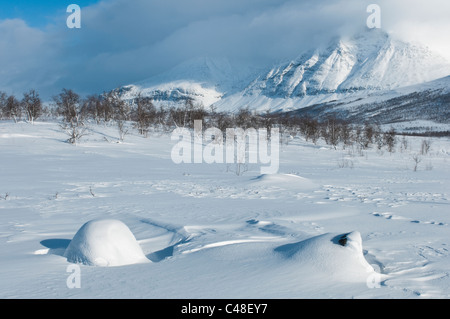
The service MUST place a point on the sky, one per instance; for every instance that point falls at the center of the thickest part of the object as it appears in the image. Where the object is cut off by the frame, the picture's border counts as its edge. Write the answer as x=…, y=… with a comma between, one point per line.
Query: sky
x=126, y=41
x=37, y=13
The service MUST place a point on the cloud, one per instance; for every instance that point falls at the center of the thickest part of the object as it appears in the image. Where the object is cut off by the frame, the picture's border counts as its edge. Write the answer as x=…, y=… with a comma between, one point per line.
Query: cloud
x=122, y=42
x=23, y=50
x=425, y=22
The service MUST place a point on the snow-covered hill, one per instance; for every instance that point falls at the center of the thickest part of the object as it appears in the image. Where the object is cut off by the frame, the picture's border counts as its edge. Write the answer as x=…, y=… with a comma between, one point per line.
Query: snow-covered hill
x=205, y=80
x=429, y=102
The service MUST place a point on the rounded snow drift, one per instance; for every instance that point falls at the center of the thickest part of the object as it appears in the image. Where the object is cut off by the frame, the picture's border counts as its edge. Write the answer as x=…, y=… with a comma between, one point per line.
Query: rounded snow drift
x=337, y=255
x=105, y=242
x=286, y=181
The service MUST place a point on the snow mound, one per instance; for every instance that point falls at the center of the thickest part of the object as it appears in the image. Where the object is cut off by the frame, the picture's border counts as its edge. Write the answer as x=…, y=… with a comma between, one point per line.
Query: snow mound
x=104, y=242
x=339, y=256
x=287, y=181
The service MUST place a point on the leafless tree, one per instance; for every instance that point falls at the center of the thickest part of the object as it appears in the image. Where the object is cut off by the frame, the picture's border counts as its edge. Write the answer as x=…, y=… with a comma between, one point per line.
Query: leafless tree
x=195, y=111
x=331, y=132
x=310, y=128
x=389, y=139
x=144, y=114
x=32, y=105
x=98, y=108
x=222, y=122
x=12, y=108
x=162, y=118
x=417, y=159
x=369, y=135
x=403, y=143
x=121, y=112
x=243, y=117
x=346, y=134
x=425, y=147
x=75, y=130
x=68, y=105
x=92, y=107
x=186, y=115
x=3, y=99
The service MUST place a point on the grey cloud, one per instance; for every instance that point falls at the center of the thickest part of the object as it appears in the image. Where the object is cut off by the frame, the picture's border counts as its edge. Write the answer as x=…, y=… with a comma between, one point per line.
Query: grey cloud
x=124, y=41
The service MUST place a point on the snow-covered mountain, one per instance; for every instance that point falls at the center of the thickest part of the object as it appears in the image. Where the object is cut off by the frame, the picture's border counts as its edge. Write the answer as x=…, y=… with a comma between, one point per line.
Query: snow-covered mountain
x=205, y=80
x=372, y=60
x=353, y=68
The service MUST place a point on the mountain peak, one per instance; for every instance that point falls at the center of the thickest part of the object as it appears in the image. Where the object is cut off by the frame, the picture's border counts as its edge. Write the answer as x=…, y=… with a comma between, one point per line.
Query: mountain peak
x=369, y=60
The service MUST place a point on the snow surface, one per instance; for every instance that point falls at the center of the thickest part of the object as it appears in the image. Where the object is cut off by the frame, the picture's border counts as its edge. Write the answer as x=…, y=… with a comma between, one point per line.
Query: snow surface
x=210, y=233
x=327, y=256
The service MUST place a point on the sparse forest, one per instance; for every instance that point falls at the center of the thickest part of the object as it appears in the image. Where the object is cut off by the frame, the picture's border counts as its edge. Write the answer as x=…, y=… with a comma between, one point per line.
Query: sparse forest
x=75, y=114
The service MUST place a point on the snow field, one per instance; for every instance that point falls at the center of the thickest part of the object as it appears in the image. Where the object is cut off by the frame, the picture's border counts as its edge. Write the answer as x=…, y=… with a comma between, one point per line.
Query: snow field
x=207, y=233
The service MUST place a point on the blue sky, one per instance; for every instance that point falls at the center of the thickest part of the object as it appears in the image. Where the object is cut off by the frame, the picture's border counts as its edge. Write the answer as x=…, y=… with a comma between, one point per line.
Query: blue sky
x=125, y=41
x=38, y=13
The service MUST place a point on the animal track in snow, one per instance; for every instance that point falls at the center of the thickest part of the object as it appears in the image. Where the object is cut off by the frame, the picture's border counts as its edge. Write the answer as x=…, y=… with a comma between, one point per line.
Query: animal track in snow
x=382, y=196
x=388, y=215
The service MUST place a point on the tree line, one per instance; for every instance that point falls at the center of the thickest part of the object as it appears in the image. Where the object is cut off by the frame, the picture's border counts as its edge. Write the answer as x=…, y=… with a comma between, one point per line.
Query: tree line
x=29, y=106
x=140, y=113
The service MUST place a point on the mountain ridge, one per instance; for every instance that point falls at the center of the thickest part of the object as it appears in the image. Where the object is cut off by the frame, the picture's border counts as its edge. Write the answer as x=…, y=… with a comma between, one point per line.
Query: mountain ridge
x=368, y=63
